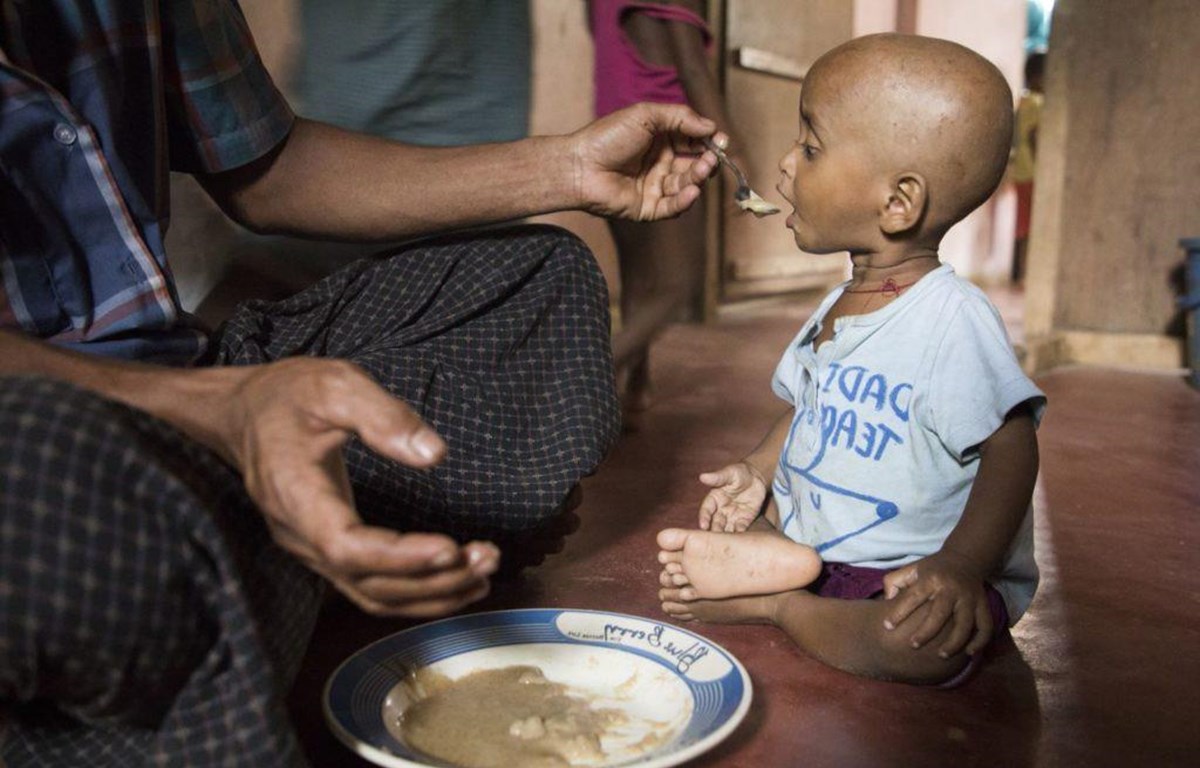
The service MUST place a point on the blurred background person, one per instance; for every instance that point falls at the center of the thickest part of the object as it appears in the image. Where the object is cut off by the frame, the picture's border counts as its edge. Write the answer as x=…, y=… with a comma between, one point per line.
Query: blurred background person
x=1024, y=156
x=429, y=72
x=654, y=51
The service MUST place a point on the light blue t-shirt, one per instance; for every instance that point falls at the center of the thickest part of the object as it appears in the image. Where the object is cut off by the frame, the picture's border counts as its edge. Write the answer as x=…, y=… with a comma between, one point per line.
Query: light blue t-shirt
x=882, y=453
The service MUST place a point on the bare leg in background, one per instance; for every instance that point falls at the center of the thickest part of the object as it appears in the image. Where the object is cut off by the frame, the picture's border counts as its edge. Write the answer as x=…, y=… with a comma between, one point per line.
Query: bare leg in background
x=662, y=270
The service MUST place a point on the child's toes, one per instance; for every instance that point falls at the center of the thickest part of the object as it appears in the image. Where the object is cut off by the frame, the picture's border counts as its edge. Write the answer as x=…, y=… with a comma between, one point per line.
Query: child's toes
x=679, y=580
x=677, y=611
x=671, y=558
x=673, y=567
x=672, y=539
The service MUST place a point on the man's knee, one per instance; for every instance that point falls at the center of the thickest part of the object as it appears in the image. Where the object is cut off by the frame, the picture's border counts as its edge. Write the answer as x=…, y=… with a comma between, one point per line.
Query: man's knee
x=564, y=251
x=93, y=605
x=553, y=234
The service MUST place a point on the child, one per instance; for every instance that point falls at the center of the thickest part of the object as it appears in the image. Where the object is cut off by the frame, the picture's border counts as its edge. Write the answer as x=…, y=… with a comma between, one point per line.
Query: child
x=1022, y=162
x=906, y=466
x=653, y=51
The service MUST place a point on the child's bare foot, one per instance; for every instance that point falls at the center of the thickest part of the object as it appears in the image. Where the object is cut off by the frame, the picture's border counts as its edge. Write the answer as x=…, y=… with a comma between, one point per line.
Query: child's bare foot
x=713, y=565
x=751, y=609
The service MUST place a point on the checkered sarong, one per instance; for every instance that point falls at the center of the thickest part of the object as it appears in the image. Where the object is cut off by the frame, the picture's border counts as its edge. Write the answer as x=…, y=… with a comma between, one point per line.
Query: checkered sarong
x=146, y=618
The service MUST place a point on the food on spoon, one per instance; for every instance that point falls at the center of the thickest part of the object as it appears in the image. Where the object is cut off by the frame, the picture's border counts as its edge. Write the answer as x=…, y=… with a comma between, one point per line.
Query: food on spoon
x=757, y=205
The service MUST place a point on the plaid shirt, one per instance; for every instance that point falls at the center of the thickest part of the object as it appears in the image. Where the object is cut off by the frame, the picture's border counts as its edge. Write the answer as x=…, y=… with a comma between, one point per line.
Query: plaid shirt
x=98, y=101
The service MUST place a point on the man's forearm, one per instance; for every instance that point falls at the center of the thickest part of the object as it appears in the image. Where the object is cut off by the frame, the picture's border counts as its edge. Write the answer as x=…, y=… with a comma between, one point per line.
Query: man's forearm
x=330, y=183
x=187, y=399
x=686, y=43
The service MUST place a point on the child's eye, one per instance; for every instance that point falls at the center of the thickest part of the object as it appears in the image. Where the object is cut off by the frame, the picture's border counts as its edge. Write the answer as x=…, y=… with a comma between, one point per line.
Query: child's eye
x=809, y=150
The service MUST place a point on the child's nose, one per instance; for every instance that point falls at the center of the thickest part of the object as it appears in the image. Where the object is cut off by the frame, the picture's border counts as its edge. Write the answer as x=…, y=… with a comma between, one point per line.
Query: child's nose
x=787, y=164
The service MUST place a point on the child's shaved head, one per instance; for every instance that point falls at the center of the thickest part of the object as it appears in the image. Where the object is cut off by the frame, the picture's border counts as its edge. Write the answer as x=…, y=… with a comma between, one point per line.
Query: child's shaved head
x=924, y=106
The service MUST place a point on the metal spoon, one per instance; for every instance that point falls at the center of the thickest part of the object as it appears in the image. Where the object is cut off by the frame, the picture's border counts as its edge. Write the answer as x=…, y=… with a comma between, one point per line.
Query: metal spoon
x=747, y=199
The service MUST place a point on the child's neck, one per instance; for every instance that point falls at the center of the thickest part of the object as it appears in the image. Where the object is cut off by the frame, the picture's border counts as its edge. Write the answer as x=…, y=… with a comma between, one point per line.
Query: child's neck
x=875, y=270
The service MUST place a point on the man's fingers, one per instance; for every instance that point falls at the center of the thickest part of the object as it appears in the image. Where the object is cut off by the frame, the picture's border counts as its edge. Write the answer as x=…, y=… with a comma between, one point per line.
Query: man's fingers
x=425, y=594
x=694, y=171
x=483, y=557
x=402, y=590
x=673, y=205
x=364, y=550
x=311, y=515
x=288, y=423
x=320, y=398
x=417, y=609
x=341, y=396
x=666, y=118
x=350, y=400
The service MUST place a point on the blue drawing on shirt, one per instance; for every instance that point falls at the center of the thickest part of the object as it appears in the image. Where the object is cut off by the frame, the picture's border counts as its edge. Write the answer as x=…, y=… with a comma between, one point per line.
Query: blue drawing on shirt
x=857, y=427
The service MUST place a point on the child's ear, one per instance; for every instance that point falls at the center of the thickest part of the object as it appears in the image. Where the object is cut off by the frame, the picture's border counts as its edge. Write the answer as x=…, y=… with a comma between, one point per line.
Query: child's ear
x=905, y=203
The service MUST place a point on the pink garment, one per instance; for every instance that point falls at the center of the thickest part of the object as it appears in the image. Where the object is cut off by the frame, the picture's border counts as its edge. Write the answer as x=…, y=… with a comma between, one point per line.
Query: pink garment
x=622, y=77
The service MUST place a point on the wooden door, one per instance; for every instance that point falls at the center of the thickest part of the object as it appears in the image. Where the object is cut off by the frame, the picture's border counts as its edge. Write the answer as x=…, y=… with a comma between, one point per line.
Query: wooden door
x=766, y=45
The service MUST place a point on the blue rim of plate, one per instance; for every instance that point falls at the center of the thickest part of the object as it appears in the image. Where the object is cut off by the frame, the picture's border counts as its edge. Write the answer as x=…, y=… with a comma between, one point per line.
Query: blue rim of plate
x=355, y=692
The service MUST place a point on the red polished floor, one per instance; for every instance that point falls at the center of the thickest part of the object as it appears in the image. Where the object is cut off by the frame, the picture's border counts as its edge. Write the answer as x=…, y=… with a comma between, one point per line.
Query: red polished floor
x=1103, y=670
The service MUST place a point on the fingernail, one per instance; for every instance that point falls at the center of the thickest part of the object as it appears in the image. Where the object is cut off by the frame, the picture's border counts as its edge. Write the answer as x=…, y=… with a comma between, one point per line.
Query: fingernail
x=484, y=563
x=490, y=567
x=915, y=644
x=427, y=444
x=943, y=654
x=888, y=625
x=723, y=142
x=444, y=558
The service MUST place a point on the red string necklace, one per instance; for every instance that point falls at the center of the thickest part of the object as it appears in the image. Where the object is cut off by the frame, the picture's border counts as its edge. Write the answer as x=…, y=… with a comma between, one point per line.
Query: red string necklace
x=889, y=288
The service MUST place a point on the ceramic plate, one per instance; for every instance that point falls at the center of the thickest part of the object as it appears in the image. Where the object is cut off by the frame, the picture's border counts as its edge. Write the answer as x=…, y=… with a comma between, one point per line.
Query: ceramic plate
x=682, y=693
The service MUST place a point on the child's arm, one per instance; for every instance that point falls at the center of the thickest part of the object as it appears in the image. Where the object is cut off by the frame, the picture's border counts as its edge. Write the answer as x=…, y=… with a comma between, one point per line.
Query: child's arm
x=739, y=489
x=681, y=45
x=952, y=579
x=686, y=44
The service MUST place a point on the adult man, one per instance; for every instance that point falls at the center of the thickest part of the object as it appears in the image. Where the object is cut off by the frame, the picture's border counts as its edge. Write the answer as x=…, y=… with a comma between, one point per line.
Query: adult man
x=146, y=612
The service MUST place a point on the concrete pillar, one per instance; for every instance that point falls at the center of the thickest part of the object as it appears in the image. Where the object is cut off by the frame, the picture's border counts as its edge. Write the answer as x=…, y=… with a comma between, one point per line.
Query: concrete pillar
x=1117, y=185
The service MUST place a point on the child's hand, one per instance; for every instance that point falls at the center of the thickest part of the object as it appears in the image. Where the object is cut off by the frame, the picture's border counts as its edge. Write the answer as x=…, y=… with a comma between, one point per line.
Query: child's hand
x=955, y=594
x=736, y=499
